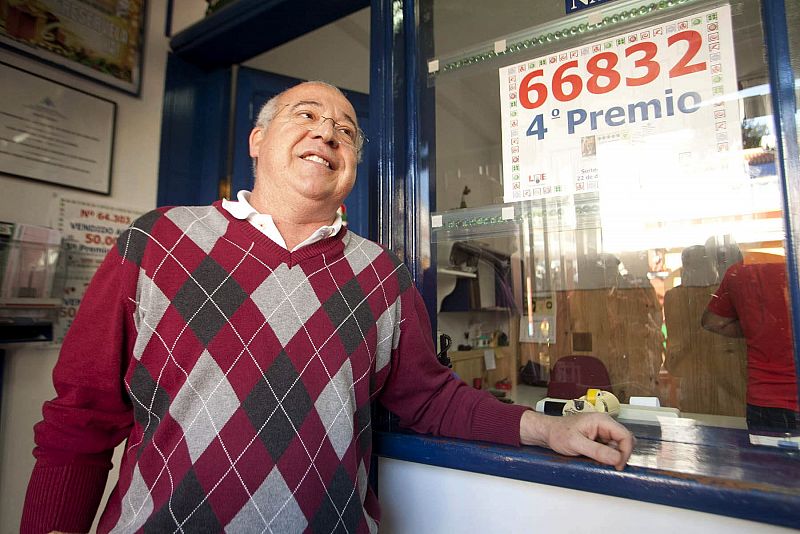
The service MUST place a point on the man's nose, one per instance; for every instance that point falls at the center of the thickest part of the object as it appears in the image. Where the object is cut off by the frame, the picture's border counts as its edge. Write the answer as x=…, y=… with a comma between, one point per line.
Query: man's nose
x=326, y=129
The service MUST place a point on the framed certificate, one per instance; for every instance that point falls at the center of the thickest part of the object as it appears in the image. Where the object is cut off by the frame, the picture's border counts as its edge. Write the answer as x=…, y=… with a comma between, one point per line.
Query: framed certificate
x=52, y=133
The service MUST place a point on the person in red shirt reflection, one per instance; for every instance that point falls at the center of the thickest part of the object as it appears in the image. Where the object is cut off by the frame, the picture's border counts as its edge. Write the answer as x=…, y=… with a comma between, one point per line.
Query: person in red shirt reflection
x=752, y=302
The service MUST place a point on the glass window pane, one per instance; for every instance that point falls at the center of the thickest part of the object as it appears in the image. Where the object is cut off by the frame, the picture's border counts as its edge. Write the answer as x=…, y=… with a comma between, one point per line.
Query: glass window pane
x=608, y=209
x=792, y=20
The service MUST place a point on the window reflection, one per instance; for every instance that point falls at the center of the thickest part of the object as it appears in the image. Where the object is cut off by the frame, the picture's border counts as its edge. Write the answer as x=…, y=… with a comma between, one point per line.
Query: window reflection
x=623, y=273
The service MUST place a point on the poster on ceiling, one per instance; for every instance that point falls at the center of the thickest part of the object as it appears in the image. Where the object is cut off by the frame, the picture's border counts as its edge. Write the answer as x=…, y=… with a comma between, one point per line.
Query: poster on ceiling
x=651, y=112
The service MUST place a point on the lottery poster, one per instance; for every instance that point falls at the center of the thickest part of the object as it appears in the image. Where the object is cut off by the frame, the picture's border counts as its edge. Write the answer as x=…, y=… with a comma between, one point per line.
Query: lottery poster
x=651, y=112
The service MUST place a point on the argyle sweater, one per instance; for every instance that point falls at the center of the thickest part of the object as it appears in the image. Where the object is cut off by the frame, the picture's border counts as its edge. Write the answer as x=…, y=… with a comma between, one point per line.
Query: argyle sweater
x=241, y=375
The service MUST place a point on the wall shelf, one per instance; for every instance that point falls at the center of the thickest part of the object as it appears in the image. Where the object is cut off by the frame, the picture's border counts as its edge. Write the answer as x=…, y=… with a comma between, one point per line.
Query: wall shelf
x=456, y=273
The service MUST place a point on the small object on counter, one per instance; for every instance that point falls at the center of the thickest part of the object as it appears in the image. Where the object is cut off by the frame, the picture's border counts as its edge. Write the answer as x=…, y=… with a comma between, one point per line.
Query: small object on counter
x=465, y=345
x=502, y=339
x=477, y=383
x=653, y=402
x=503, y=384
x=595, y=400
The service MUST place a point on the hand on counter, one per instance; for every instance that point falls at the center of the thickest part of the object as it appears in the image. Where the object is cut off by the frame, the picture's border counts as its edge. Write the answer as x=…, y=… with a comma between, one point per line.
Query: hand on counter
x=596, y=435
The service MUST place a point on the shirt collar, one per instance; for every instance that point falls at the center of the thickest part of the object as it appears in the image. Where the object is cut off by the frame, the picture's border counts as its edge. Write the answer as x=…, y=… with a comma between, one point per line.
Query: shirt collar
x=243, y=210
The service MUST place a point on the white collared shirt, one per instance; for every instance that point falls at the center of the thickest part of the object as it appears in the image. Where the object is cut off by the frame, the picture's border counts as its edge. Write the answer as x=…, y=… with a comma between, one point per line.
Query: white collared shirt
x=241, y=209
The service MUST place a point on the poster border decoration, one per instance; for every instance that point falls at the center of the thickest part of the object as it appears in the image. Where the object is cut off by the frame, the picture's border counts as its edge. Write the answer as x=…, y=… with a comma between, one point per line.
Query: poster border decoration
x=105, y=187
x=84, y=66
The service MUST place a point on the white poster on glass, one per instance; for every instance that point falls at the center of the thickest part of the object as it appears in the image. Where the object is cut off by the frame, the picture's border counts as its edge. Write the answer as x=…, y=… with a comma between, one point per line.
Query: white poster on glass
x=651, y=113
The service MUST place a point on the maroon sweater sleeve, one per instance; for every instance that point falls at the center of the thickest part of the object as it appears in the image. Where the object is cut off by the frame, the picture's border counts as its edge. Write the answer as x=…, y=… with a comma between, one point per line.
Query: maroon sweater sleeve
x=91, y=413
x=428, y=398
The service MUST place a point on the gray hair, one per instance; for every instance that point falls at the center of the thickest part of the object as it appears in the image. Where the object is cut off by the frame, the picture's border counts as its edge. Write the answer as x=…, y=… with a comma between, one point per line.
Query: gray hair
x=271, y=107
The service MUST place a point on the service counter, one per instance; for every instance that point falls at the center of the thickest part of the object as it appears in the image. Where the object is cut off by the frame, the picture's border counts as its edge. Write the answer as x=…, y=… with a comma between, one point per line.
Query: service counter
x=678, y=464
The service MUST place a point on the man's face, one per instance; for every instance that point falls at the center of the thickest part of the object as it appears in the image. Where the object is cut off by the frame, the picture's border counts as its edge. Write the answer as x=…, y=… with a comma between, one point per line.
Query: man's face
x=297, y=164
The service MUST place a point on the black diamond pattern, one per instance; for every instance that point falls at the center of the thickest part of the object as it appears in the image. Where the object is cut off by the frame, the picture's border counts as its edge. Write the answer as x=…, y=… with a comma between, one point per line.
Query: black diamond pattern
x=131, y=243
x=144, y=386
x=403, y=276
x=190, y=297
x=345, y=496
x=363, y=416
x=186, y=497
x=354, y=327
x=261, y=402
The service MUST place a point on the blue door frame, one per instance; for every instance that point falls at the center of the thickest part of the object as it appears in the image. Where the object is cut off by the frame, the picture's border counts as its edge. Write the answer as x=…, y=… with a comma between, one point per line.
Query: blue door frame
x=781, y=80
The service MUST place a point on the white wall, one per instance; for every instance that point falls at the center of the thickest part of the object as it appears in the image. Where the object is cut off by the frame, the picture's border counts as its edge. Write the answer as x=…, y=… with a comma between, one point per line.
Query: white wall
x=421, y=498
x=27, y=377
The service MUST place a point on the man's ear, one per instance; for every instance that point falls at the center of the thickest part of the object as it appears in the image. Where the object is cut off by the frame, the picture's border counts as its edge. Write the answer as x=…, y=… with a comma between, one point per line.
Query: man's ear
x=255, y=140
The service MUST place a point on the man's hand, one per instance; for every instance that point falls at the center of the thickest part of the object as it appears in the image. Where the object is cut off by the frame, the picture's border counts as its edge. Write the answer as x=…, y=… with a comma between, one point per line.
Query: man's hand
x=595, y=435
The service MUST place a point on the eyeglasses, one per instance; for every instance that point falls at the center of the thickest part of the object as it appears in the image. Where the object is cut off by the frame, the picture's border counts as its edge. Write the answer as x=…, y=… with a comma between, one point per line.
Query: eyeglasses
x=346, y=134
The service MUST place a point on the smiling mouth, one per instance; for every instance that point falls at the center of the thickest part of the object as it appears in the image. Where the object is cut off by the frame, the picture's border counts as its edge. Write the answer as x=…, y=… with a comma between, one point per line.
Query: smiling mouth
x=317, y=159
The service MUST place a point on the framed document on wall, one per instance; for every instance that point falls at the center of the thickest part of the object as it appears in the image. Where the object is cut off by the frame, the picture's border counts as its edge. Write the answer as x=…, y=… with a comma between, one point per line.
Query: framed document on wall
x=99, y=39
x=52, y=133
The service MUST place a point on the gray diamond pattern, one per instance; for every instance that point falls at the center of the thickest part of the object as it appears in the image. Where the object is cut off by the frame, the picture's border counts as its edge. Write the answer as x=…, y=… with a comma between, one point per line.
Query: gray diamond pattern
x=361, y=253
x=362, y=481
x=205, y=392
x=276, y=507
x=137, y=505
x=152, y=305
x=335, y=406
x=388, y=335
x=289, y=306
x=203, y=224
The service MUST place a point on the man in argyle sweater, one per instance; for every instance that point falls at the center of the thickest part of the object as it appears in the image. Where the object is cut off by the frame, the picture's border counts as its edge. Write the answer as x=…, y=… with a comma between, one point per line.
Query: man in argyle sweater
x=236, y=349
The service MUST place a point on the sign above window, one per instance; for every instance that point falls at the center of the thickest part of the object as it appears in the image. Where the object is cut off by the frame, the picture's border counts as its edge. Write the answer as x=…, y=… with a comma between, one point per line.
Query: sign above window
x=572, y=6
